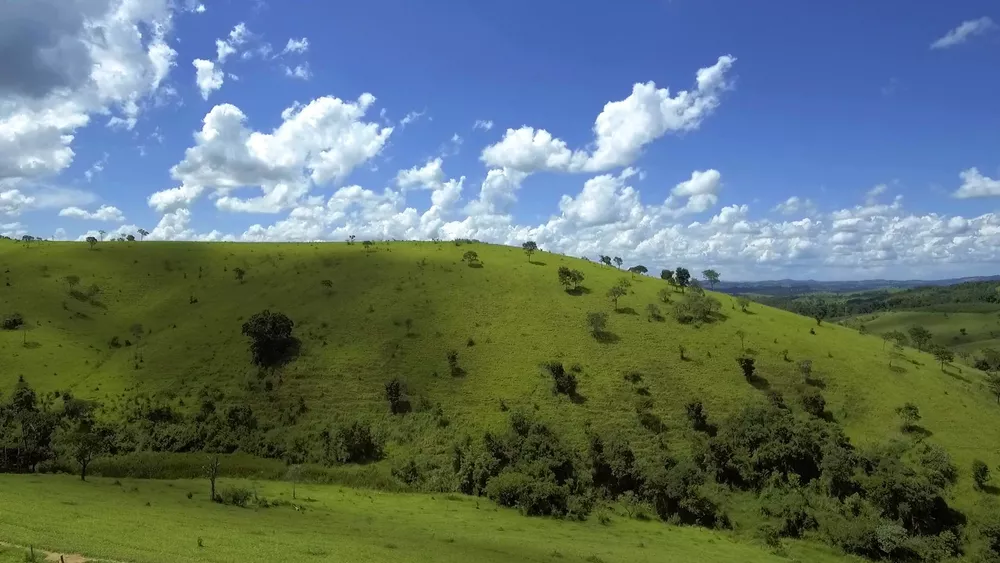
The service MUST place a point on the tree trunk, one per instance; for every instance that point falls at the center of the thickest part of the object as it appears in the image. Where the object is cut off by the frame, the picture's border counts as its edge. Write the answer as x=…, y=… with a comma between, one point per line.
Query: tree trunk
x=83, y=471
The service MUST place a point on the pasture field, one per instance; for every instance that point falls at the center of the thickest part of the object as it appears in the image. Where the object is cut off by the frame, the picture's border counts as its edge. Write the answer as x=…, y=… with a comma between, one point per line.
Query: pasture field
x=155, y=521
x=982, y=329
x=365, y=315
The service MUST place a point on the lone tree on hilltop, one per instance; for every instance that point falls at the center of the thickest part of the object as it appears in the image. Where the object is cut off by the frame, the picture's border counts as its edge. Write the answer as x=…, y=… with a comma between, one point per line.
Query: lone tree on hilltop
x=682, y=277
x=130, y=238
x=471, y=257
x=571, y=279
x=637, y=269
x=667, y=276
x=942, y=354
x=240, y=273
x=920, y=336
x=618, y=262
x=530, y=248
x=712, y=277
x=270, y=337
x=142, y=234
x=102, y=233
x=92, y=241
x=597, y=323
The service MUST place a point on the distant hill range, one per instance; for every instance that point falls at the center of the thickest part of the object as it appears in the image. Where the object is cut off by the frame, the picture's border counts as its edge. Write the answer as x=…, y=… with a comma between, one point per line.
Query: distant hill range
x=800, y=287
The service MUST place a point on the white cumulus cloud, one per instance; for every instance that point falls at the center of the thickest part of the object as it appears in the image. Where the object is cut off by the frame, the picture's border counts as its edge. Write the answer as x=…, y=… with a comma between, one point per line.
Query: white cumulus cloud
x=621, y=130
x=965, y=31
x=316, y=143
x=60, y=71
x=108, y=213
x=974, y=184
x=207, y=77
x=296, y=46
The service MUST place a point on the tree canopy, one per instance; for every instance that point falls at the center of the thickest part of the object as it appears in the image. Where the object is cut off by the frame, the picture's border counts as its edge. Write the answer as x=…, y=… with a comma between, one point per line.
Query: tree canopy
x=712, y=277
x=270, y=337
x=682, y=277
x=529, y=248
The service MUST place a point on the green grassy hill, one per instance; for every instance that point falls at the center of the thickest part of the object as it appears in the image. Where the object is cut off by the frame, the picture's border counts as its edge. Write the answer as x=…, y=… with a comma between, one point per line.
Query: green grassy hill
x=982, y=329
x=504, y=319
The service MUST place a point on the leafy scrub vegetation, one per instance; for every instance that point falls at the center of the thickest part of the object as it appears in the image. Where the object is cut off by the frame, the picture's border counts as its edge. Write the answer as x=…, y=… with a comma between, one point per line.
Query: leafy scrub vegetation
x=552, y=385
x=144, y=520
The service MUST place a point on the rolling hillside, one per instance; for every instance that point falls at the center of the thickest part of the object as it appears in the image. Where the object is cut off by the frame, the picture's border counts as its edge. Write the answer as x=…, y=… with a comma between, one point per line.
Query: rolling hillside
x=397, y=310
x=967, y=333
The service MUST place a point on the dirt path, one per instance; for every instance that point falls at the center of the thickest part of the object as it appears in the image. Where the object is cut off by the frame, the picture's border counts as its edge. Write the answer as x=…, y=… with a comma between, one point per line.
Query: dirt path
x=59, y=556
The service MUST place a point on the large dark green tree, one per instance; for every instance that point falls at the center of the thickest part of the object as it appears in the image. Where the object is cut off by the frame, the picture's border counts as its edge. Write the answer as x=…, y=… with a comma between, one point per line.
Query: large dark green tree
x=682, y=277
x=270, y=336
x=637, y=269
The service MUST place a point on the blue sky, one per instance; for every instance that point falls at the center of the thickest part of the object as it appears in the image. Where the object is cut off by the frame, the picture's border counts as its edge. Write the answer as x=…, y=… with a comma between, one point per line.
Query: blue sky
x=763, y=139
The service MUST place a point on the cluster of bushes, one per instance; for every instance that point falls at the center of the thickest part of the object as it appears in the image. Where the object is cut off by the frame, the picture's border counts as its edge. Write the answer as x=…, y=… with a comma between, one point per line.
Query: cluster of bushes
x=884, y=502
x=57, y=428
x=697, y=307
x=527, y=467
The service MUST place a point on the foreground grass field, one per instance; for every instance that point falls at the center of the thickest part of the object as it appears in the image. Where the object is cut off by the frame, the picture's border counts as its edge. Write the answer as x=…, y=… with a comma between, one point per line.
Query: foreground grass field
x=503, y=320
x=154, y=521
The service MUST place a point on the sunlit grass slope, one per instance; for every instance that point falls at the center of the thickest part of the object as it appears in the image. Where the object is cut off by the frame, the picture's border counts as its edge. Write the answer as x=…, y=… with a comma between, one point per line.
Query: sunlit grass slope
x=982, y=329
x=504, y=319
